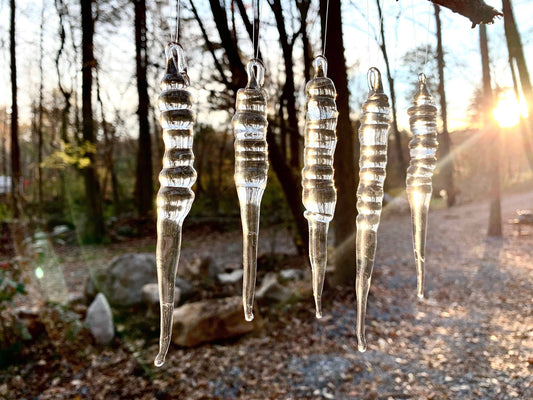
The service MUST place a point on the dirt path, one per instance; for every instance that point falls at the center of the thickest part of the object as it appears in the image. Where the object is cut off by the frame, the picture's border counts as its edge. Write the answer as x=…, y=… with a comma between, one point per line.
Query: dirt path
x=472, y=338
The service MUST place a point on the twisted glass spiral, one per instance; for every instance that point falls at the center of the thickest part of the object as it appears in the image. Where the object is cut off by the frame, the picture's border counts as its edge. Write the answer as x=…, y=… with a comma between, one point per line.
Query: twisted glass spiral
x=251, y=170
x=373, y=136
x=423, y=150
x=175, y=196
x=319, y=193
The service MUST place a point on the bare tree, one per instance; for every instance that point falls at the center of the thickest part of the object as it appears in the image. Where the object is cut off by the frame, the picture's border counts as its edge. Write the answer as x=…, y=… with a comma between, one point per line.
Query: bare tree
x=495, y=217
x=40, y=120
x=15, y=149
x=93, y=229
x=517, y=59
x=444, y=137
x=287, y=176
x=144, y=186
x=346, y=154
x=401, y=168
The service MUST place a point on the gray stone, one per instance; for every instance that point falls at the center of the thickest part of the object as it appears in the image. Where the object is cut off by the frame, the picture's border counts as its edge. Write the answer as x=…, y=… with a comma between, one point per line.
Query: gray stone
x=292, y=274
x=209, y=321
x=122, y=281
x=272, y=292
x=200, y=268
x=150, y=295
x=99, y=320
x=230, y=277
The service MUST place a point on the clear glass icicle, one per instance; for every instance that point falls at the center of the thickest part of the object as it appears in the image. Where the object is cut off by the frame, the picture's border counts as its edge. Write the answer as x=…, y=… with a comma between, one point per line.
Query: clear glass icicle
x=251, y=170
x=423, y=149
x=175, y=196
x=319, y=193
x=373, y=136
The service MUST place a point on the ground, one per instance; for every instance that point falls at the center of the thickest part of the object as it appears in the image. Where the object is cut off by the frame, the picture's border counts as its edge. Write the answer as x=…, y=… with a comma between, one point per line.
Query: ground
x=471, y=338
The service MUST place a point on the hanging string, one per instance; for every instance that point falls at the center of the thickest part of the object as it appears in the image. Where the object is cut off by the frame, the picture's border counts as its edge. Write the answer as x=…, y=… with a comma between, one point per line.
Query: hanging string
x=174, y=33
x=427, y=38
x=326, y=29
x=414, y=31
x=178, y=20
x=368, y=30
x=256, y=6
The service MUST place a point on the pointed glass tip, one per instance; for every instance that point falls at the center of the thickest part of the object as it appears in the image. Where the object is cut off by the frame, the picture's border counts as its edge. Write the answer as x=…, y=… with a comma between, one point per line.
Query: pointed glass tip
x=248, y=314
x=159, y=360
x=361, y=347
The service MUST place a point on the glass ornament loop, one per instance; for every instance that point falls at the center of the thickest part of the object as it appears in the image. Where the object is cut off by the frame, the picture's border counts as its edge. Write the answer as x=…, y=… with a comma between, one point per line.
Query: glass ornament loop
x=421, y=78
x=256, y=73
x=174, y=51
x=320, y=65
x=374, y=80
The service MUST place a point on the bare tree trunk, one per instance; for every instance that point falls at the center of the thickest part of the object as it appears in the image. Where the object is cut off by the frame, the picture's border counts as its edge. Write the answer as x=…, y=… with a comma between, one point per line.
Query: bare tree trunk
x=444, y=138
x=289, y=86
x=15, y=149
x=3, y=141
x=290, y=184
x=476, y=10
x=516, y=54
x=40, y=122
x=303, y=8
x=93, y=230
x=495, y=217
x=109, y=143
x=144, y=185
x=346, y=152
x=400, y=169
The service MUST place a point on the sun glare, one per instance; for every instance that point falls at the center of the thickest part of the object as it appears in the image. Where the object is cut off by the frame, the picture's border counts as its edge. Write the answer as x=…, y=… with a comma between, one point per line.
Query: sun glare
x=508, y=110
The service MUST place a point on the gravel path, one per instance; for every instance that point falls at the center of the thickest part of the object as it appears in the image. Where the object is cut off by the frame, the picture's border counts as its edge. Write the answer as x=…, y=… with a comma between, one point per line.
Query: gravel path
x=471, y=338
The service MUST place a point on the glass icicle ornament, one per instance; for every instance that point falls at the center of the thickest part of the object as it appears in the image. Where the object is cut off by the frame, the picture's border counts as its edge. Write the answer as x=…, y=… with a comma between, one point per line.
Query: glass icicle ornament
x=175, y=196
x=319, y=193
x=251, y=170
x=423, y=149
x=373, y=136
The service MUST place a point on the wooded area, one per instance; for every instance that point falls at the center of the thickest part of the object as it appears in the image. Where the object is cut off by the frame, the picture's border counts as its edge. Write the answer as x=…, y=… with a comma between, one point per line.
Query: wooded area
x=81, y=168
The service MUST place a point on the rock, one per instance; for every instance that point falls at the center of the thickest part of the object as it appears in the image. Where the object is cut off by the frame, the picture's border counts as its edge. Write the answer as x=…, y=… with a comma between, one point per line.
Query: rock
x=99, y=320
x=209, y=321
x=187, y=290
x=271, y=292
x=200, y=268
x=150, y=295
x=230, y=277
x=122, y=281
x=292, y=274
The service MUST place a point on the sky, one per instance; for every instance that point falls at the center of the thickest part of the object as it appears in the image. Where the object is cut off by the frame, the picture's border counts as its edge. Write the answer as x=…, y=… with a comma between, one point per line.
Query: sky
x=409, y=24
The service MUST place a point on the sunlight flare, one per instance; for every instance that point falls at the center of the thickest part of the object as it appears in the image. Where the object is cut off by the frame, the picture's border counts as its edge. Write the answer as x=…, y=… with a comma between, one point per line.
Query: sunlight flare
x=508, y=110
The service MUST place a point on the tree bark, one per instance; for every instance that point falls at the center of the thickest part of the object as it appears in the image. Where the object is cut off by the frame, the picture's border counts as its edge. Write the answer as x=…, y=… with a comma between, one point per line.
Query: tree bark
x=516, y=54
x=93, y=230
x=289, y=86
x=144, y=185
x=444, y=138
x=15, y=149
x=476, y=11
x=40, y=121
x=346, y=152
x=495, y=217
x=400, y=169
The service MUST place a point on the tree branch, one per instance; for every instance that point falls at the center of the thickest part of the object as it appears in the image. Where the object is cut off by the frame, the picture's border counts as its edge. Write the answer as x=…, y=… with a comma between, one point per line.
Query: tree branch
x=476, y=11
